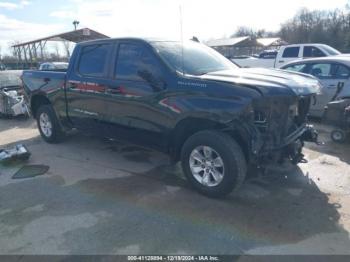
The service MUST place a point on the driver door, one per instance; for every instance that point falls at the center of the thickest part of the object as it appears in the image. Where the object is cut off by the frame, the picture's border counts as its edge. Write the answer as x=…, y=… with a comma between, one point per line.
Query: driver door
x=133, y=94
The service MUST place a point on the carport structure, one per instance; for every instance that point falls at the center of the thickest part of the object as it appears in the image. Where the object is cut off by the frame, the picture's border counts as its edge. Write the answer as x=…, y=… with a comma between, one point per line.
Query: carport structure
x=33, y=51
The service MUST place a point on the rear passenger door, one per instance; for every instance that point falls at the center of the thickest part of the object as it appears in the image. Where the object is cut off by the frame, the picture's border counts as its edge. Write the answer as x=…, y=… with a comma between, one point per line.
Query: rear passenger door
x=326, y=73
x=133, y=94
x=342, y=74
x=86, y=87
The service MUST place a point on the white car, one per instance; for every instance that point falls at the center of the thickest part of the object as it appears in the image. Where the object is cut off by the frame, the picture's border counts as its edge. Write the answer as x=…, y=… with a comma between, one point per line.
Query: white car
x=288, y=54
x=333, y=73
x=53, y=66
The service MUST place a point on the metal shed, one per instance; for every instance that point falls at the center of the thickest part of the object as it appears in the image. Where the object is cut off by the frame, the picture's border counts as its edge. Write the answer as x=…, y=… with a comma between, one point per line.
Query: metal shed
x=32, y=51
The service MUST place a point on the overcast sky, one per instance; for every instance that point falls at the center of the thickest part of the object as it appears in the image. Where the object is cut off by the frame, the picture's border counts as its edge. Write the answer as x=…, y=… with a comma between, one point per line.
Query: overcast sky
x=22, y=20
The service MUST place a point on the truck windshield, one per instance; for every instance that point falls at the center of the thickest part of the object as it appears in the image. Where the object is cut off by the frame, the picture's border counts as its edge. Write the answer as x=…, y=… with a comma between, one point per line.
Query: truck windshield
x=192, y=58
x=331, y=50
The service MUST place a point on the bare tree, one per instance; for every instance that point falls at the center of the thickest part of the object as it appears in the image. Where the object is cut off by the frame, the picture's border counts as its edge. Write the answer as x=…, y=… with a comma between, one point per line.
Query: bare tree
x=252, y=33
x=67, y=47
x=330, y=27
x=57, y=50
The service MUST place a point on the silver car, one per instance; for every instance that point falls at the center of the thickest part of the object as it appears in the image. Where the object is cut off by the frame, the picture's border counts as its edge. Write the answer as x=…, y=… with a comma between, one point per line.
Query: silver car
x=333, y=72
x=53, y=66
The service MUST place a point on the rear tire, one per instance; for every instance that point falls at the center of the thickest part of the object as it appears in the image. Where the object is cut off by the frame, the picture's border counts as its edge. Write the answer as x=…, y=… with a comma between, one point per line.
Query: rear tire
x=338, y=136
x=213, y=163
x=48, y=125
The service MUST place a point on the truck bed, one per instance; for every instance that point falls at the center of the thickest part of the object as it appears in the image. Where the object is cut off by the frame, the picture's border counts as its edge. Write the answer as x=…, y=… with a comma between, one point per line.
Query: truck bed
x=35, y=81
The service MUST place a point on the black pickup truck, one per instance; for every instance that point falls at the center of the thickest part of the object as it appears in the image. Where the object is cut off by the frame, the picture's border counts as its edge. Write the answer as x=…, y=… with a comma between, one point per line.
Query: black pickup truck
x=184, y=99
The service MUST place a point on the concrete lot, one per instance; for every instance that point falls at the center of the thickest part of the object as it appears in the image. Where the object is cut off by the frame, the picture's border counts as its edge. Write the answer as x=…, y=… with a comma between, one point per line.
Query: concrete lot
x=105, y=197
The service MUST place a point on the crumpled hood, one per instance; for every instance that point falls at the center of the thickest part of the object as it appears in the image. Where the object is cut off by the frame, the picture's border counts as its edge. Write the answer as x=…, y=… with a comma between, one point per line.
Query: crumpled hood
x=269, y=81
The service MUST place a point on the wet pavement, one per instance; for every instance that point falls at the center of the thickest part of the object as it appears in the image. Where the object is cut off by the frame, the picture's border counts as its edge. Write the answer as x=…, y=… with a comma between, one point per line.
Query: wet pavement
x=108, y=197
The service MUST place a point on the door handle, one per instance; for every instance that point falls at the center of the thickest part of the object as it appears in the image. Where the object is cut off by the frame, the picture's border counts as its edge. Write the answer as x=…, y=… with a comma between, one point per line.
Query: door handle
x=281, y=61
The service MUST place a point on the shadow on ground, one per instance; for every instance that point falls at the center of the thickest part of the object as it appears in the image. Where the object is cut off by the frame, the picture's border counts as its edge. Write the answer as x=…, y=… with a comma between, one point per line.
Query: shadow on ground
x=153, y=211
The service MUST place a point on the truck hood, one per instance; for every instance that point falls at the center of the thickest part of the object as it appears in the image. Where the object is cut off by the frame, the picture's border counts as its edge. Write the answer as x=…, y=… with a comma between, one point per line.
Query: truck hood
x=269, y=81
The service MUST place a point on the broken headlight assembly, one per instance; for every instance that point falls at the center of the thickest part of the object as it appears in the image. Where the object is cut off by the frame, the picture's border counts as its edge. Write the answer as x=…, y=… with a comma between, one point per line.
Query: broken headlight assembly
x=261, y=111
x=260, y=119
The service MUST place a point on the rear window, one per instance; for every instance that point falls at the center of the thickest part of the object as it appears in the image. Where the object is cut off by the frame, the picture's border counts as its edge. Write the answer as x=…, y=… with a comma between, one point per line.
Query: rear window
x=93, y=60
x=342, y=72
x=291, y=52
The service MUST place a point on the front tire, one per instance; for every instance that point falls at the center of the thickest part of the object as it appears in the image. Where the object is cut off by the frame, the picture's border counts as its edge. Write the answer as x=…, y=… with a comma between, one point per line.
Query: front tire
x=213, y=163
x=48, y=125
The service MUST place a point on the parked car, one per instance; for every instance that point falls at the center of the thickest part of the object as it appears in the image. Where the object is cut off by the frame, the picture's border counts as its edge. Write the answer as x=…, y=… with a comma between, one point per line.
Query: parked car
x=53, y=66
x=288, y=54
x=12, y=102
x=267, y=54
x=184, y=99
x=11, y=79
x=333, y=73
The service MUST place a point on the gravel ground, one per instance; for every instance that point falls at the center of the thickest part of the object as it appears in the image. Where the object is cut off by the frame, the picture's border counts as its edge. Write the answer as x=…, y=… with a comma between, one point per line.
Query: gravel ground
x=108, y=197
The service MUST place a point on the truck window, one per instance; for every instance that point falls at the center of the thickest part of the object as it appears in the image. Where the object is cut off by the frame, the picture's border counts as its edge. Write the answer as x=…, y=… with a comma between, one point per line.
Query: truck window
x=291, y=52
x=132, y=60
x=312, y=51
x=93, y=60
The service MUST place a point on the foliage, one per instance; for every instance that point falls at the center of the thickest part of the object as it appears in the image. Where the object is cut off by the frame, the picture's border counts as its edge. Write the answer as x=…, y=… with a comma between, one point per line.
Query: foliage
x=330, y=27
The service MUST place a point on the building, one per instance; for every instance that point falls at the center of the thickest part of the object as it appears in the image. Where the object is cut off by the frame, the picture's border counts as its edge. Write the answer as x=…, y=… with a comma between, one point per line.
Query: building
x=243, y=46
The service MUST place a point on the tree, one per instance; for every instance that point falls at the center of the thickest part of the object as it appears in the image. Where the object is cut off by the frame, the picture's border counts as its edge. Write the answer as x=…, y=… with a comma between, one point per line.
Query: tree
x=57, y=50
x=67, y=47
x=252, y=33
x=329, y=27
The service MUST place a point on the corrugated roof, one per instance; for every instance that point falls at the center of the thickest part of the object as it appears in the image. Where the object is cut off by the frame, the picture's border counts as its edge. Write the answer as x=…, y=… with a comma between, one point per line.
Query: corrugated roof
x=227, y=41
x=75, y=36
x=268, y=40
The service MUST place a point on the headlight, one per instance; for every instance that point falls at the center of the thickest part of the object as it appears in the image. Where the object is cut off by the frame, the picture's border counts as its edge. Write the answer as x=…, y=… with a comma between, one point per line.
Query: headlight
x=318, y=88
x=306, y=86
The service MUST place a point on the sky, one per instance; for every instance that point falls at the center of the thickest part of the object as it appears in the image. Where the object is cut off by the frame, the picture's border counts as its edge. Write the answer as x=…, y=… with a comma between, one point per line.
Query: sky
x=23, y=20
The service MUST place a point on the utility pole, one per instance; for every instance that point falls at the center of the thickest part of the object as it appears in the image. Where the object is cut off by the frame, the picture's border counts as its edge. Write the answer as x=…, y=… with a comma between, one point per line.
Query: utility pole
x=75, y=23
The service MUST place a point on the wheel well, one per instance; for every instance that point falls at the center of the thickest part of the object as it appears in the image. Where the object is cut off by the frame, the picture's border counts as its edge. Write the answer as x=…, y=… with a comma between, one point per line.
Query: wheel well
x=190, y=126
x=38, y=101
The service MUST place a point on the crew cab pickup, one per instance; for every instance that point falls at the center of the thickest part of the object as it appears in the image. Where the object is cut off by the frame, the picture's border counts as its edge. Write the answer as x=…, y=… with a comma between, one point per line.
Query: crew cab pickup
x=287, y=54
x=184, y=99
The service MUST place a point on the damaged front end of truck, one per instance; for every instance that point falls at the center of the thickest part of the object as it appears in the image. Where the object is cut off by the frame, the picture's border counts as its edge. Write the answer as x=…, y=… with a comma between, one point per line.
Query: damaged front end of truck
x=279, y=130
x=277, y=126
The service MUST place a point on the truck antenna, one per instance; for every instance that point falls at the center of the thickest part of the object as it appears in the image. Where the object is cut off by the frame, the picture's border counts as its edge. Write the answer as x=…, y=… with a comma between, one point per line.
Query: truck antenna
x=182, y=41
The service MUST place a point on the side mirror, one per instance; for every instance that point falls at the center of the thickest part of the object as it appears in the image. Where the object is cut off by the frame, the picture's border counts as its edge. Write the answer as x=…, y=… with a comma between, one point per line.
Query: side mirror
x=156, y=83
